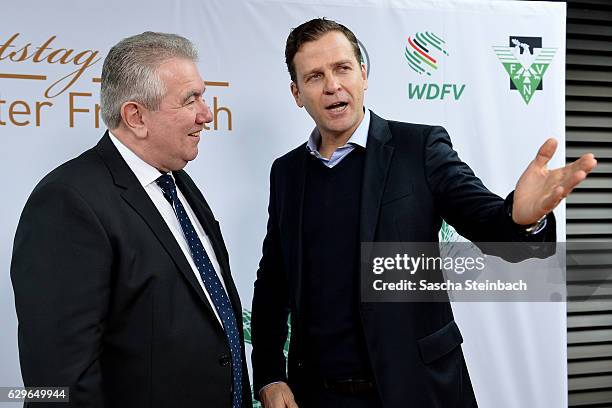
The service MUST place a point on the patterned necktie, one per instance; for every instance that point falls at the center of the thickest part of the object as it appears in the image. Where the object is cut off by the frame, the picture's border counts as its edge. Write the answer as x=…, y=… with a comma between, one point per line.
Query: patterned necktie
x=211, y=282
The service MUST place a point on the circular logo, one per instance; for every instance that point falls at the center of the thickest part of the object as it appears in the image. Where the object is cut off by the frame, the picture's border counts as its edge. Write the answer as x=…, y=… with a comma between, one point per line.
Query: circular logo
x=422, y=52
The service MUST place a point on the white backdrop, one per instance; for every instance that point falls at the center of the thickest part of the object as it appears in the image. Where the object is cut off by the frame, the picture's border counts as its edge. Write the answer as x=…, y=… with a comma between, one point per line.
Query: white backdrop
x=516, y=352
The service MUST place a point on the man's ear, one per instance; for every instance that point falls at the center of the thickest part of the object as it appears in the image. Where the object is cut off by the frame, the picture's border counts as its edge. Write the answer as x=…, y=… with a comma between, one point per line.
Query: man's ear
x=296, y=94
x=364, y=75
x=132, y=116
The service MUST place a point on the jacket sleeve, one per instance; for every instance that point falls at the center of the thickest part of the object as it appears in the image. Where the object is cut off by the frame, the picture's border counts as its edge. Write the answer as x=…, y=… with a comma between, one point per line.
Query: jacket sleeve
x=270, y=312
x=466, y=204
x=61, y=272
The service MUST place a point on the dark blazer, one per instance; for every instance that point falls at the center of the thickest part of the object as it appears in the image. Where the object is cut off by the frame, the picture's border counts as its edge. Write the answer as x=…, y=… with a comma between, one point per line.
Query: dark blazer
x=412, y=180
x=107, y=302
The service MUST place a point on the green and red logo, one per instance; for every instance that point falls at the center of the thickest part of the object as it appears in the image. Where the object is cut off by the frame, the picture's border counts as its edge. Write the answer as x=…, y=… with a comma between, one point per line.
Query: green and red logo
x=424, y=51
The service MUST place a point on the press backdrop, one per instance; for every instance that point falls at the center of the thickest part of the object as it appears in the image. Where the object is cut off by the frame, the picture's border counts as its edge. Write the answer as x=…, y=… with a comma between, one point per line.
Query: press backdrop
x=434, y=62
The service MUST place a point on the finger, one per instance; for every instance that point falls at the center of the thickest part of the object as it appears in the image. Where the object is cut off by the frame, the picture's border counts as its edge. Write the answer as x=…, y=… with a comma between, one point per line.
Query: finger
x=575, y=172
x=546, y=152
x=586, y=163
x=285, y=399
x=267, y=403
x=275, y=400
x=289, y=400
x=276, y=403
x=572, y=180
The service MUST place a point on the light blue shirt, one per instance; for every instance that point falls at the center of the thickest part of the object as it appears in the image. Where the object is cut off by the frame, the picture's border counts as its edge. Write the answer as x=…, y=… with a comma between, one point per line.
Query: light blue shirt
x=359, y=137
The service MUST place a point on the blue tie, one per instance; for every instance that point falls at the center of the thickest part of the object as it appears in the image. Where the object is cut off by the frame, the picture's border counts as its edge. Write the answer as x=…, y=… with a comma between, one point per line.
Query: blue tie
x=211, y=282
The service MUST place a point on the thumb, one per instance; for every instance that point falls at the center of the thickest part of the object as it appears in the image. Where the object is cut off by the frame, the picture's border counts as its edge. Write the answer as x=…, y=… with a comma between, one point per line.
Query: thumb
x=546, y=152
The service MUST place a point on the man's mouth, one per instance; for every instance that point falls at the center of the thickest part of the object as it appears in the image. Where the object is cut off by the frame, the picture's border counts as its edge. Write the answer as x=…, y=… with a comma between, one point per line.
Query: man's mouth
x=195, y=134
x=337, y=106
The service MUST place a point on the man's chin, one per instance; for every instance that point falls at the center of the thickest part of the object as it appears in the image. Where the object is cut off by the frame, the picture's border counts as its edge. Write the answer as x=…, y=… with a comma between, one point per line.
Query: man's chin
x=190, y=159
x=192, y=154
x=180, y=164
x=339, y=128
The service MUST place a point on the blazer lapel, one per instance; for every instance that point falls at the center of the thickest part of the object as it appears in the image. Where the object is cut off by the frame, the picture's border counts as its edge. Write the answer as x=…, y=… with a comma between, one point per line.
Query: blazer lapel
x=137, y=198
x=207, y=219
x=376, y=166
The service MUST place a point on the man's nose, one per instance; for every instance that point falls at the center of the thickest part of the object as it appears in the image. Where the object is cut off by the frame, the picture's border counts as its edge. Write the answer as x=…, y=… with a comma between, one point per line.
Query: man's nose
x=332, y=85
x=204, y=115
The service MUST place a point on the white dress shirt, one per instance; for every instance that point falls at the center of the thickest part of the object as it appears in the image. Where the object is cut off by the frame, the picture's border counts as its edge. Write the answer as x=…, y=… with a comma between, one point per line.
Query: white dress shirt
x=358, y=138
x=146, y=175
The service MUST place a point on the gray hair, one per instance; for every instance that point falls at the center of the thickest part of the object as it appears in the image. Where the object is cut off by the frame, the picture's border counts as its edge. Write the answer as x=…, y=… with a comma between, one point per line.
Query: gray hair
x=129, y=72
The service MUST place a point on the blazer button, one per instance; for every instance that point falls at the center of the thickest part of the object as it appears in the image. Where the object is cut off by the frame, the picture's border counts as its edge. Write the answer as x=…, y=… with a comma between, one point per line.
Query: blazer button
x=224, y=360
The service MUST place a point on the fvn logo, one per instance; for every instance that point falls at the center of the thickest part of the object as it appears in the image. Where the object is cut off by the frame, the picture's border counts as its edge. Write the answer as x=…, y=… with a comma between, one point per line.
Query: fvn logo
x=423, y=54
x=526, y=62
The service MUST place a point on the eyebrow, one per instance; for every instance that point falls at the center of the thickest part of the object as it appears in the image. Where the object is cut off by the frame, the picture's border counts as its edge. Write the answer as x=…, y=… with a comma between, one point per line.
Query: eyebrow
x=195, y=92
x=334, y=64
x=342, y=62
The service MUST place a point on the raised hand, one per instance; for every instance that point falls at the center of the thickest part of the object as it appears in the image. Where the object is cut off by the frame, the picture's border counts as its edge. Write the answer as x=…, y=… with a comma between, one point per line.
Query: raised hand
x=539, y=190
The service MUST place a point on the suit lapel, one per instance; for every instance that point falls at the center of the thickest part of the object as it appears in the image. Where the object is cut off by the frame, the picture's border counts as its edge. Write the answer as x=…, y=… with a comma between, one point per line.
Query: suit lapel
x=207, y=219
x=376, y=166
x=134, y=194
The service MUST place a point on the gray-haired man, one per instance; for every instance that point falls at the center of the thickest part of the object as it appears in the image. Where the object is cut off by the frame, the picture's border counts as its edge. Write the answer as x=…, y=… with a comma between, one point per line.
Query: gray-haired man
x=121, y=277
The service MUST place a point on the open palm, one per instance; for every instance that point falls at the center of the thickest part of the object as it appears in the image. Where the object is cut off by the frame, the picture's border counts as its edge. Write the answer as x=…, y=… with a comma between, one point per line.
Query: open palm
x=539, y=189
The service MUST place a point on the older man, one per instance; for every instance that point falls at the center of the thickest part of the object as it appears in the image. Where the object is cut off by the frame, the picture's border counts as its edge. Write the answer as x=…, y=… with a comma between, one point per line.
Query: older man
x=361, y=178
x=122, y=282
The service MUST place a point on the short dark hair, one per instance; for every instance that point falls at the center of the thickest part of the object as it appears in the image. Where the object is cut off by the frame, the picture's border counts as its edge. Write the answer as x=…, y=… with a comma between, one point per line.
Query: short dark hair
x=311, y=31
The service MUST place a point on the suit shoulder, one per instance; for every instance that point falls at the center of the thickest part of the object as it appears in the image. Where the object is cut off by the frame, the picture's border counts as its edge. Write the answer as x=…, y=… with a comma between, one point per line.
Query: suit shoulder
x=77, y=173
x=415, y=136
x=412, y=130
x=290, y=157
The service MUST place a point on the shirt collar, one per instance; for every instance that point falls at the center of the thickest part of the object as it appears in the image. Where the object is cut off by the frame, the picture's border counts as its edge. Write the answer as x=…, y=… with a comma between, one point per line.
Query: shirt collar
x=359, y=137
x=144, y=172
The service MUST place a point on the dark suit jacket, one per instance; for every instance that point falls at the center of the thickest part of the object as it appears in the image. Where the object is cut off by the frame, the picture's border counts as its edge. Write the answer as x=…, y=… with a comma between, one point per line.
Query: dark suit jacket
x=412, y=180
x=107, y=302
